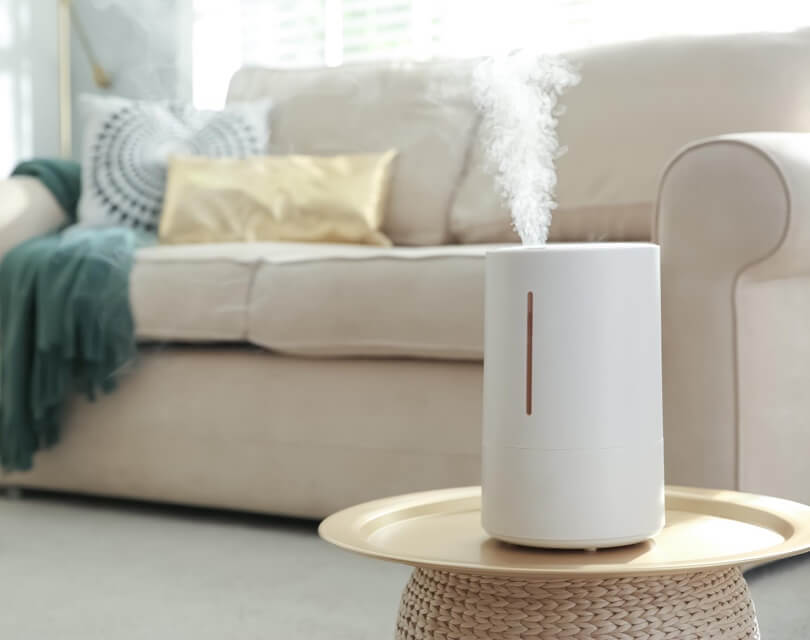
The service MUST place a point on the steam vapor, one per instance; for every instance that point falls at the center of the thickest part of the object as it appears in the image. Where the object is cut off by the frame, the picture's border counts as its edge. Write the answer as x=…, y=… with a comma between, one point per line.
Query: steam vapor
x=517, y=96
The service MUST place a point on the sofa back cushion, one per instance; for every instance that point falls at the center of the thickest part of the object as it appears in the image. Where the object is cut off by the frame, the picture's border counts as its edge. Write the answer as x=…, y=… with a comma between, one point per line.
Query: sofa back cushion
x=423, y=111
x=637, y=104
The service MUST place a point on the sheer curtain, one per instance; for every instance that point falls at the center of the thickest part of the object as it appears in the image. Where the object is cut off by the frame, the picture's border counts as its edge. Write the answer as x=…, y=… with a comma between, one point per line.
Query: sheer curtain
x=227, y=34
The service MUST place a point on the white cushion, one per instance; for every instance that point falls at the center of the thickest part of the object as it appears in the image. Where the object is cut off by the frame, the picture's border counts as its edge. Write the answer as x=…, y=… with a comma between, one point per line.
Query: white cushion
x=637, y=105
x=315, y=299
x=424, y=111
x=127, y=144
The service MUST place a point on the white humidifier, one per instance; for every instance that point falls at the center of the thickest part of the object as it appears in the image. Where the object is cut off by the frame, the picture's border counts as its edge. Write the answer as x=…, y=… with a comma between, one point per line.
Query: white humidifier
x=572, y=434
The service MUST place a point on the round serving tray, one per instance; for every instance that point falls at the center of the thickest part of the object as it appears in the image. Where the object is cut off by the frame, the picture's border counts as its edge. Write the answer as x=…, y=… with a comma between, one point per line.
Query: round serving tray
x=442, y=530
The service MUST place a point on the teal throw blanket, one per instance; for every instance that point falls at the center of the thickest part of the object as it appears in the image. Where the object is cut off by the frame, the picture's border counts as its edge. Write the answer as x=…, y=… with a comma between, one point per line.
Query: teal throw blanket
x=65, y=320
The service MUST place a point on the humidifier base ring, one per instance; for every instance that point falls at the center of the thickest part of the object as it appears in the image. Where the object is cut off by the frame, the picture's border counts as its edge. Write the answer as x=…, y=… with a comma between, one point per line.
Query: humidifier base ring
x=587, y=545
x=703, y=604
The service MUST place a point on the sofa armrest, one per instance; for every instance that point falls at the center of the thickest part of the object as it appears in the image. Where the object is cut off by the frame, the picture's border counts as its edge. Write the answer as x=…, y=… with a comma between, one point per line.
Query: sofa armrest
x=27, y=209
x=733, y=222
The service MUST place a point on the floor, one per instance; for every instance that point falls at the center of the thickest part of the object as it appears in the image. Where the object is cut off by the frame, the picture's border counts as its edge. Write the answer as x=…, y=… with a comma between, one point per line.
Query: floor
x=78, y=568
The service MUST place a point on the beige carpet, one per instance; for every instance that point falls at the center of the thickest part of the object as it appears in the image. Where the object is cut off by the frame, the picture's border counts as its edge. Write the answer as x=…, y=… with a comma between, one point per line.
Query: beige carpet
x=73, y=568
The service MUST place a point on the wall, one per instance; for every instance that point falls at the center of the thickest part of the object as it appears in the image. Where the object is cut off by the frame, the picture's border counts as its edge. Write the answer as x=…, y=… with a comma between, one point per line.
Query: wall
x=143, y=44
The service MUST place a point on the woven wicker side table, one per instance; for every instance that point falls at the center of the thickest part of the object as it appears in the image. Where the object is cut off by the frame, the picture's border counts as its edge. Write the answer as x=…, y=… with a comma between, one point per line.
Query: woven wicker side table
x=683, y=585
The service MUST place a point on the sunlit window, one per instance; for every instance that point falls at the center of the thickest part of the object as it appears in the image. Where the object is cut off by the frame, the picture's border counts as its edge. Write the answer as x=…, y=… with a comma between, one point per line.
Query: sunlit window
x=230, y=33
x=19, y=62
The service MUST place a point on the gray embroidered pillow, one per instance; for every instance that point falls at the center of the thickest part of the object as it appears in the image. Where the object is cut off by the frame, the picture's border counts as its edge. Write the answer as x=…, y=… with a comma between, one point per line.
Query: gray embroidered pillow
x=127, y=145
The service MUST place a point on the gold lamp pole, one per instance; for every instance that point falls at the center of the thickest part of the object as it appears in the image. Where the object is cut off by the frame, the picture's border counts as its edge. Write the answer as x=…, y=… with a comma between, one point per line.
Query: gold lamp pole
x=65, y=143
x=67, y=16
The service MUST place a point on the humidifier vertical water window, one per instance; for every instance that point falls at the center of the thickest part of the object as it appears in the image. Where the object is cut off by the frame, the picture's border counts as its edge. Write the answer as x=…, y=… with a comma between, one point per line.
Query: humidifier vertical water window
x=572, y=435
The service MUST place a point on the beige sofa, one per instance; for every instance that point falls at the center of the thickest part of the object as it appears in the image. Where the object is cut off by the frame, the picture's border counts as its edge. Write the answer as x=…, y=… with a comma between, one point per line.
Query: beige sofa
x=298, y=379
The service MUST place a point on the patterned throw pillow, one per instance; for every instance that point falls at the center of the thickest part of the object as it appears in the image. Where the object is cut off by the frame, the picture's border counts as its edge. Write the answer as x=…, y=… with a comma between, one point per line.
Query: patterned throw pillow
x=127, y=145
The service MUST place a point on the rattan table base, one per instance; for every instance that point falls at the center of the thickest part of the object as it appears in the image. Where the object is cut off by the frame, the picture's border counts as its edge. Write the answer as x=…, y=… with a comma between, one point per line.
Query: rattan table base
x=683, y=584
x=442, y=605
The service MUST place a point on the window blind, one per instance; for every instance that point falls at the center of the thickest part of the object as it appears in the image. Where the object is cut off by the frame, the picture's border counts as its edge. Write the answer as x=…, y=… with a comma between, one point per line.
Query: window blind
x=288, y=33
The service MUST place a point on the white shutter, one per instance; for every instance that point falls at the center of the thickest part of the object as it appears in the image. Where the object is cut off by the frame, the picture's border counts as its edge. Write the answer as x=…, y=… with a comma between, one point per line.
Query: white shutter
x=290, y=33
x=376, y=29
x=282, y=32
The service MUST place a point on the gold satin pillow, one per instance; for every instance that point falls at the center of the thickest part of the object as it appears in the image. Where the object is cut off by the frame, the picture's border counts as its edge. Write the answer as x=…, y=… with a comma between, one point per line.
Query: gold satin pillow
x=276, y=198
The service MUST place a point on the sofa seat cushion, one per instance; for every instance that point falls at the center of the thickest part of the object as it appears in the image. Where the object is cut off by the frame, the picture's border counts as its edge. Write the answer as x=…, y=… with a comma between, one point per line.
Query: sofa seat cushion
x=358, y=301
x=315, y=299
x=193, y=292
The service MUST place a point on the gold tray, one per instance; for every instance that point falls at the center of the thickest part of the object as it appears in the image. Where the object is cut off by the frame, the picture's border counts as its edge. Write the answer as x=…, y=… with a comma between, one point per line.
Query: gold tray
x=442, y=530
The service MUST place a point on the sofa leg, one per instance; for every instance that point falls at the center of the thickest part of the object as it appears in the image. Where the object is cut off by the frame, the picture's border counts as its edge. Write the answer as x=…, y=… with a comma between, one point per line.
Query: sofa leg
x=13, y=493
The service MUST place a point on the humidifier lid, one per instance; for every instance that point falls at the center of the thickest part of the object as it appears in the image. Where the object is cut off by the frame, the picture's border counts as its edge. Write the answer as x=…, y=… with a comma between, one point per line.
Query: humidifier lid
x=563, y=247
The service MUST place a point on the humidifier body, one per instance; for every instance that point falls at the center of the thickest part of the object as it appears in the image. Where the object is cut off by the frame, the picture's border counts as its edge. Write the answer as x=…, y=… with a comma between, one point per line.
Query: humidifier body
x=572, y=434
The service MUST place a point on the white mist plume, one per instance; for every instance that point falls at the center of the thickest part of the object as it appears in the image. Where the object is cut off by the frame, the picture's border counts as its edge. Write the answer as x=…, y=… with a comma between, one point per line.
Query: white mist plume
x=517, y=96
